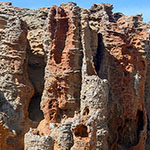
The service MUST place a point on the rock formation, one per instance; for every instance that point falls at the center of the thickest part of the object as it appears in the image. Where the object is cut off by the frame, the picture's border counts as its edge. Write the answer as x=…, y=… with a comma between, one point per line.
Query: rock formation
x=73, y=78
x=16, y=89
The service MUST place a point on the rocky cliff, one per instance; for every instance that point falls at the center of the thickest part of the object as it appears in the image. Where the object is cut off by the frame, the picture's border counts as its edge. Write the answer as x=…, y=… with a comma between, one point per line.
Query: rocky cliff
x=73, y=78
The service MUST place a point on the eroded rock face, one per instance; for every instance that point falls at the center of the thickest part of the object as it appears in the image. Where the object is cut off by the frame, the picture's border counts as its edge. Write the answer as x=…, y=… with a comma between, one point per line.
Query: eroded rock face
x=63, y=136
x=130, y=64
x=80, y=77
x=126, y=54
x=36, y=55
x=34, y=142
x=63, y=70
x=15, y=87
x=4, y=130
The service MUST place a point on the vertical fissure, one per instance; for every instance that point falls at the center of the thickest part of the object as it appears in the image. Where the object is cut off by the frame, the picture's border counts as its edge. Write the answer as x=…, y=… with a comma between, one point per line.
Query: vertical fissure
x=140, y=123
x=99, y=58
x=129, y=132
x=36, y=69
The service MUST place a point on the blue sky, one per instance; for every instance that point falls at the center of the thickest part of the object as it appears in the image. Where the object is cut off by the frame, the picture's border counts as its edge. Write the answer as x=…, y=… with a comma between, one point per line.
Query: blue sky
x=128, y=7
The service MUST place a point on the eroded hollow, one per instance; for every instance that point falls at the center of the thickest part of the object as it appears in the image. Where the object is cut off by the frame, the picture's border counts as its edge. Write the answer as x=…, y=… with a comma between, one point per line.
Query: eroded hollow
x=86, y=111
x=129, y=133
x=99, y=64
x=36, y=70
x=35, y=114
x=140, y=123
x=60, y=32
x=81, y=131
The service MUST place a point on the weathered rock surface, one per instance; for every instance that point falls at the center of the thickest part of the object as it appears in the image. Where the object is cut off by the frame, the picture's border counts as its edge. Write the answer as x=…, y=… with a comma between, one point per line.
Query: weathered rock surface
x=36, y=56
x=61, y=95
x=4, y=130
x=15, y=87
x=63, y=136
x=33, y=141
x=80, y=77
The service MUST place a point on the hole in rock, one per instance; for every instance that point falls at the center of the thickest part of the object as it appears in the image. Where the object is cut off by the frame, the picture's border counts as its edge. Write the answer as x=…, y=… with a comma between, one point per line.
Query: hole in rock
x=36, y=70
x=140, y=122
x=61, y=28
x=86, y=111
x=81, y=131
x=35, y=114
x=99, y=57
x=129, y=133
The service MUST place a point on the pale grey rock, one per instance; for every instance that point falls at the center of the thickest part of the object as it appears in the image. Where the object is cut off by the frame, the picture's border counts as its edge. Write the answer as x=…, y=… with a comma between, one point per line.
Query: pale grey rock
x=35, y=142
x=15, y=87
x=63, y=136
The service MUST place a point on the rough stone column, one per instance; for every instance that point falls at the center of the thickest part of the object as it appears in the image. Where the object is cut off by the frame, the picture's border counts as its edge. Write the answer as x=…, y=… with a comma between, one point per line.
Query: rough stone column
x=61, y=96
x=63, y=136
x=34, y=142
x=15, y=88
x=90, y=126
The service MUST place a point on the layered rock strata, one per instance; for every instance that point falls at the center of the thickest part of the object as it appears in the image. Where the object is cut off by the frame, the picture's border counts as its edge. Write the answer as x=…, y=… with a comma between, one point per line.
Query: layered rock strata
x=79, y=77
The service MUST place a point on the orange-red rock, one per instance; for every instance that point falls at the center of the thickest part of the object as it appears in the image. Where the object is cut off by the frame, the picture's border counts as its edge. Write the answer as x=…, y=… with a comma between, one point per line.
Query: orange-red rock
x=63, y=70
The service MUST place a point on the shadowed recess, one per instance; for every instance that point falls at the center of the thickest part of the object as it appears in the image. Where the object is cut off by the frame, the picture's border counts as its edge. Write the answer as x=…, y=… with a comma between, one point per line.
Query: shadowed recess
x=81, y=131
x=99, y=58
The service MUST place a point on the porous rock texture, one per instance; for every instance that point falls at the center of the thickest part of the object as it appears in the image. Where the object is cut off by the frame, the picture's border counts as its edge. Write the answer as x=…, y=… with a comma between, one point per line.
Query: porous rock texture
x=74, y=78
x=35, y=142
x=16, y=89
